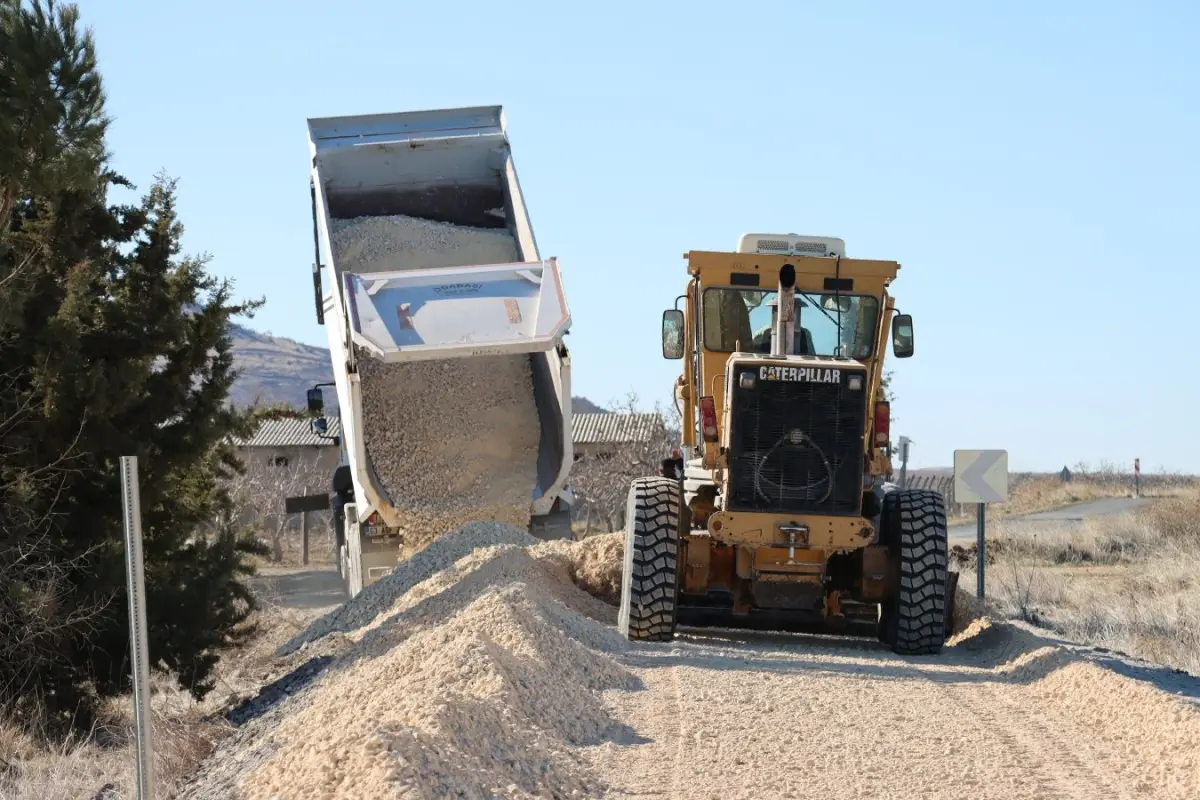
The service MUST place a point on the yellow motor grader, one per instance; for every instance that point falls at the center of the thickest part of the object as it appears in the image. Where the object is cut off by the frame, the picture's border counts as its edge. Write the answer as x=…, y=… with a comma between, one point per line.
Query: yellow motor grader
x=785, y=518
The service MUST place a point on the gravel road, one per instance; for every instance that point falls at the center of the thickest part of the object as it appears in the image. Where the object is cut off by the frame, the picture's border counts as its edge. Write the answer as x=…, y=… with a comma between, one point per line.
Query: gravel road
x=481, y=673
x=1001, y=714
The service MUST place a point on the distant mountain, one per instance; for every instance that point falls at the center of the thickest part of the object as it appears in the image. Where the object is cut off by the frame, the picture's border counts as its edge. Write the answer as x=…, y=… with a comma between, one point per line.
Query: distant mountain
x=581, y=405
x=280, y=370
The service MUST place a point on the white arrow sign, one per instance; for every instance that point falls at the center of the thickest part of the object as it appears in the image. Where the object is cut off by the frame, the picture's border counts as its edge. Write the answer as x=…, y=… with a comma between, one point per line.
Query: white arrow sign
x=980, y=476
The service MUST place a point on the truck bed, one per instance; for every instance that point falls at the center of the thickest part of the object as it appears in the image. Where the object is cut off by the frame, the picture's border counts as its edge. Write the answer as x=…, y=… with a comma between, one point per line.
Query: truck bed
x=452, y=167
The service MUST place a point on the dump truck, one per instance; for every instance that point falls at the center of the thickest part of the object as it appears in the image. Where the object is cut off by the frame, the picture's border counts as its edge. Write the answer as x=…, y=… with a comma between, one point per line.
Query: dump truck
x=391, y=307
x=785, y=517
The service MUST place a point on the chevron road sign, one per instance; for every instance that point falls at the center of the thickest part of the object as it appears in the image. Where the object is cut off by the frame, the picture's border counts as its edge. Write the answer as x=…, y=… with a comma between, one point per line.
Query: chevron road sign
x=980, y=476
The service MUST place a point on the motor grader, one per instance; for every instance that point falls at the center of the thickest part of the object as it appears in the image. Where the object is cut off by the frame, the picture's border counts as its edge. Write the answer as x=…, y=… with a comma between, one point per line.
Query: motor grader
x=785, y=518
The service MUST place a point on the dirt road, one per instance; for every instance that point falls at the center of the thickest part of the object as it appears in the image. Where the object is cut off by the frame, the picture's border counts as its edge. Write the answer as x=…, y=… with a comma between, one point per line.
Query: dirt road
x=317, y=586
x=488, y=673
x=1001, y=714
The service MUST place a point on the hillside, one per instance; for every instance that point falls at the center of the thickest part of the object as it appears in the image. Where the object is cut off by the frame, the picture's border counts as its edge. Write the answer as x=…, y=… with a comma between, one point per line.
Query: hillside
x=276, y=369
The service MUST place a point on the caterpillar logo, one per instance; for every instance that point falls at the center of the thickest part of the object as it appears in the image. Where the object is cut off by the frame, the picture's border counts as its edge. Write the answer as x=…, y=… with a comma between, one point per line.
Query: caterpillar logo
x=800, y=374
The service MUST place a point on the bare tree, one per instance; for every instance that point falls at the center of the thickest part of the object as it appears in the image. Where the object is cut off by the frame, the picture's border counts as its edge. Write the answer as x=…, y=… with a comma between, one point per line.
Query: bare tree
x=258, y=503
x=601, y=477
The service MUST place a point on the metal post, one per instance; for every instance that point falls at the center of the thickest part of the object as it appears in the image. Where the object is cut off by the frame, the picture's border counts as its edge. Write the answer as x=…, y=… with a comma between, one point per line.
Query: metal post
x=139, y=648
x=904, y=443
x=980, y=550
x=304, y=534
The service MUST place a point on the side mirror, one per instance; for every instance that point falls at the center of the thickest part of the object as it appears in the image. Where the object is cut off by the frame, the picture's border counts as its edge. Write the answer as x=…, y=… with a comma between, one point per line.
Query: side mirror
x=902, y=335
x=316, y=402
x=672, y=333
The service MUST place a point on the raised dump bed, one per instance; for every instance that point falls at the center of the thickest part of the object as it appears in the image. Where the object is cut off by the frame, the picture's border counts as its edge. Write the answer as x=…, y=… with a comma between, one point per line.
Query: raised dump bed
x=445, y=328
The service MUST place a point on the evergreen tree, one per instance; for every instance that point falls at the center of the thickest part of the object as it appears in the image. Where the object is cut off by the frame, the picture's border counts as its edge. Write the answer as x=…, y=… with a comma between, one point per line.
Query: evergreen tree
x=111, y=344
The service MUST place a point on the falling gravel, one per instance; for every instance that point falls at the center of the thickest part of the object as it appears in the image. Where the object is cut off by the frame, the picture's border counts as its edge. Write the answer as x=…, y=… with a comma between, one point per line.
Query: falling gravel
x=450, y=441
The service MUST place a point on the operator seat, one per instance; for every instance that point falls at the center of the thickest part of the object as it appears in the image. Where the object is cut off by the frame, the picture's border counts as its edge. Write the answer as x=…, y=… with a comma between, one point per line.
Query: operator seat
x=802, y=342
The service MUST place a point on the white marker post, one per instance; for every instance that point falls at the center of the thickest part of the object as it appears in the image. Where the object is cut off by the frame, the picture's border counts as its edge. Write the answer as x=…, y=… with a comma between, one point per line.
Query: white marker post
x=905, y=442
x=138, y=646
x=981, y=477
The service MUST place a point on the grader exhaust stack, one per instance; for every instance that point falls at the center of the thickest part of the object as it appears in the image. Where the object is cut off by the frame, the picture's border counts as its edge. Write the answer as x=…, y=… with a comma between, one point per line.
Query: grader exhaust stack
x=784, y=336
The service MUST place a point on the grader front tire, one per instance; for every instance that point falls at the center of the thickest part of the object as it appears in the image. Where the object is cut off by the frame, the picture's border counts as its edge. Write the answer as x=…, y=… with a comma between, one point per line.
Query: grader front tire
x=649, y=583
x=914, y=523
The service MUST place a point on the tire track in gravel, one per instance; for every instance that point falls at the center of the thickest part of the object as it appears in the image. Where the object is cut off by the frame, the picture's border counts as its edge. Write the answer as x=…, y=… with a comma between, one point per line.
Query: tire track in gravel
x=745, y=716
x=679, y=769
x=1062, y=776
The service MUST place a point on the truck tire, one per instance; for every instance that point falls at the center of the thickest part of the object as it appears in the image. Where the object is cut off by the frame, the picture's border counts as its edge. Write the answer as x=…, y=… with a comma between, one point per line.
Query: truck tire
x=650, y=578
x=913, y=622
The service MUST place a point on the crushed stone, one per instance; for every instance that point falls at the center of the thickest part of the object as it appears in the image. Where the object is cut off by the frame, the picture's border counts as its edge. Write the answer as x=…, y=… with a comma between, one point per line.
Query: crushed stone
x=594, y=565
x=478, y=682
x=379, y=597
x=450, y=441
x=488, y=672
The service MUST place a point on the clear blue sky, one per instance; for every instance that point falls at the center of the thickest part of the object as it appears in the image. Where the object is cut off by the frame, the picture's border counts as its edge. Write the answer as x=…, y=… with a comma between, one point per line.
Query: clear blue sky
x=1033, y=166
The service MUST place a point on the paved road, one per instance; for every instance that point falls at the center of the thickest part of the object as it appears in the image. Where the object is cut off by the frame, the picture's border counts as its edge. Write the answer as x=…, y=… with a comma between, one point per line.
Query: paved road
x=1073, y=514
x=303, y=588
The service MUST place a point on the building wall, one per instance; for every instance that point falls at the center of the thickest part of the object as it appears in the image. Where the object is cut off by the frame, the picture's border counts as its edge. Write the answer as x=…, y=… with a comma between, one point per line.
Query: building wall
x=321, y=459
x=272, y=473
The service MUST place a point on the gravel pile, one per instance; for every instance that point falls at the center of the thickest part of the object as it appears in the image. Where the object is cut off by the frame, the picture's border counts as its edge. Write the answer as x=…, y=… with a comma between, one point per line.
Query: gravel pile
x=482, y=680
x=594, y=565
x=379, y=597
x=450, y=441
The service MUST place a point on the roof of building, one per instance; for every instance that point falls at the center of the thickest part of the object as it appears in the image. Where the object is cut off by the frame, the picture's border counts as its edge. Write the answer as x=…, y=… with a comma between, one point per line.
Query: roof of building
x=613, y=428
x=291, y=433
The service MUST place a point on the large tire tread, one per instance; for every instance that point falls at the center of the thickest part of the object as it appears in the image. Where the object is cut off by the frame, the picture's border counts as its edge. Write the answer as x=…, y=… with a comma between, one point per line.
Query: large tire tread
x=649, y=583
x=915, y=525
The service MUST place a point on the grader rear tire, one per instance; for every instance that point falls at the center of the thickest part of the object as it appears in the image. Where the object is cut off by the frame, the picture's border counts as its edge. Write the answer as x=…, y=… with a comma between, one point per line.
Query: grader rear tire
x=914, y=526
x=650, y=581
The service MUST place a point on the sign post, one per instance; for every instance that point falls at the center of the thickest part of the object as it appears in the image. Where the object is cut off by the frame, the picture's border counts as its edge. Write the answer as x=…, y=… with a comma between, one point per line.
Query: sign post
x=1137, y=477
x=302, y=505
x=139, y=649
x=904, y=443
x=980, y=477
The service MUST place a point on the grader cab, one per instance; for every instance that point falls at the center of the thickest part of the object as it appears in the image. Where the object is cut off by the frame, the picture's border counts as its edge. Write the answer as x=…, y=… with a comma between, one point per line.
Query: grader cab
x=785, y=518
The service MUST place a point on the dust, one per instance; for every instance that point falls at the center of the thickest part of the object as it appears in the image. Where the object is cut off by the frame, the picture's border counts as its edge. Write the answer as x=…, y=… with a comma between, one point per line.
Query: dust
x=450, y=441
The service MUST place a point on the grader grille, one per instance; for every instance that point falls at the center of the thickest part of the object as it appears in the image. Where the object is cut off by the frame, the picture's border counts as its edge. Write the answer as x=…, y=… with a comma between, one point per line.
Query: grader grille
x=797, y=445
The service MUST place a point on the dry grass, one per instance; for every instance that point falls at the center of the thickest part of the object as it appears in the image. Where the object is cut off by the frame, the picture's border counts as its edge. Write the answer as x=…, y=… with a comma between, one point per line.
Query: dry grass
x=102, y=764
x=1129, y=583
